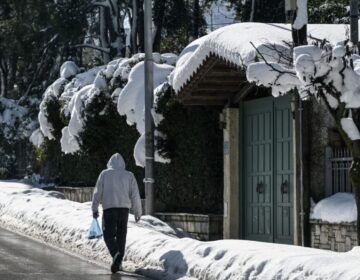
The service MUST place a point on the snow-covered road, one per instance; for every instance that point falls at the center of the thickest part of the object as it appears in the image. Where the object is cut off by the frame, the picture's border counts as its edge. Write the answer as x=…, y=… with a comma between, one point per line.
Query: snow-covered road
x=153, y=248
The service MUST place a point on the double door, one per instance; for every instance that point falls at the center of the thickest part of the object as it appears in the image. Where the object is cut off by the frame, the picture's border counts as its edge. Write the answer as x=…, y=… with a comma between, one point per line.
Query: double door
x=267, y=170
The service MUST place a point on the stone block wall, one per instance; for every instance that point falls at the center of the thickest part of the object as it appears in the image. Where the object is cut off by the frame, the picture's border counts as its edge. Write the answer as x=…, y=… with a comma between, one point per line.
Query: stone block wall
x=201, y=227
x=84, y=194
x=77, y=194
x=335, y=237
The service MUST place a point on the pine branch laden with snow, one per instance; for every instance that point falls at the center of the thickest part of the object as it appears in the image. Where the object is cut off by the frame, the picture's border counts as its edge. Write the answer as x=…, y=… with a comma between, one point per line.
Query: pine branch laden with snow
x=131, y=103
x=122, y=78
x=327, y=72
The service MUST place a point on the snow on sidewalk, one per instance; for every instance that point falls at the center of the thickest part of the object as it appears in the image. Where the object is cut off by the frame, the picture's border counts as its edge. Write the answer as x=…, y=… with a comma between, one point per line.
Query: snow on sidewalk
x=154, y=249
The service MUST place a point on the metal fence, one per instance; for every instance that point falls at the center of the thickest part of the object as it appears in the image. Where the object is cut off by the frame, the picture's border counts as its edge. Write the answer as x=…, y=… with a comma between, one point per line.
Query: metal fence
x=337, y=174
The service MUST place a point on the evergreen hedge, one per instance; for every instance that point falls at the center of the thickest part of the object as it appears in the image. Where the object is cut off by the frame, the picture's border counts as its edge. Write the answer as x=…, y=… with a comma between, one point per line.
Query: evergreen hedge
x=193, y=180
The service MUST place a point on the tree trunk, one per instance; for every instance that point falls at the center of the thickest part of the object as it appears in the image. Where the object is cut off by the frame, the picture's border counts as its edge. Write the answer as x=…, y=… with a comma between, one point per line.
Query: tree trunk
x=12, y=66
x=300, y=36
x=196, y=19
x=159, y=21
x=104, y=41
x=252, y=13
x=141, y=25
x=115, y=23
x=3, y=77
x=134, y=27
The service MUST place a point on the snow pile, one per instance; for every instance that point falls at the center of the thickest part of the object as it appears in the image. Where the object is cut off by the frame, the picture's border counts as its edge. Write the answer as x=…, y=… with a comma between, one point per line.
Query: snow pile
x=153, y=248
x=121, y=79
x=233, y=44
x=37, y=138
x=340, y=207
x=69, y=69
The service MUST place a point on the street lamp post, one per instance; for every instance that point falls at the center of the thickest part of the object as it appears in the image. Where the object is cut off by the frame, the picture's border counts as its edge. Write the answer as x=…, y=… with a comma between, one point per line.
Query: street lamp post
x=149, y=99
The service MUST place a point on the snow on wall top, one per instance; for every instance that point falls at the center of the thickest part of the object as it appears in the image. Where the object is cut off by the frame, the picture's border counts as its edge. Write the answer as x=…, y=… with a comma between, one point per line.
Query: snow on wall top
x=338, y=208
x=233, y=44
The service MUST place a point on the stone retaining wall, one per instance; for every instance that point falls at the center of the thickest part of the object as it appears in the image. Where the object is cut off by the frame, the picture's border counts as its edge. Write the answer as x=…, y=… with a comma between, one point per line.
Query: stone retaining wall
x=83, y=194
x=336, y=237
x=202, y=227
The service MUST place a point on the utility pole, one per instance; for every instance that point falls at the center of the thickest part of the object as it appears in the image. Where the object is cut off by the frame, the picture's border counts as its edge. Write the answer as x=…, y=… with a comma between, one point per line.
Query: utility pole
x=149, y=122
x=354, y=18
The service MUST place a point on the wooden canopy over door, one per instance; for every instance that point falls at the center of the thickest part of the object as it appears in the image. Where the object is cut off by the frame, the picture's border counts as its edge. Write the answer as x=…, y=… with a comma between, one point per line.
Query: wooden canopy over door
x=216, y=83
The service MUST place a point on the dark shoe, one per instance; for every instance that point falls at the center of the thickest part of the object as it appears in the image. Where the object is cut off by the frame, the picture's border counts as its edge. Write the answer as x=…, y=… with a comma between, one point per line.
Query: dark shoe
x=115, y=266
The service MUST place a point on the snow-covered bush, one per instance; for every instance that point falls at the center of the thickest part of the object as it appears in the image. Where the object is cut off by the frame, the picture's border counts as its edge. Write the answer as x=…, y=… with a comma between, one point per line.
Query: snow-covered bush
x=81, y=110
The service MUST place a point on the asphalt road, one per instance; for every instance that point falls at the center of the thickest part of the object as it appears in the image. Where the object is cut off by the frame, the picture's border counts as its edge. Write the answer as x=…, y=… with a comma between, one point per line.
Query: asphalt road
x=22, y=258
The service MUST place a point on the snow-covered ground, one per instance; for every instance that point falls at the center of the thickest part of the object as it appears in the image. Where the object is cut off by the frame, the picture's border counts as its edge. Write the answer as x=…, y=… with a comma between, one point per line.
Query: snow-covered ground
x=155, y=250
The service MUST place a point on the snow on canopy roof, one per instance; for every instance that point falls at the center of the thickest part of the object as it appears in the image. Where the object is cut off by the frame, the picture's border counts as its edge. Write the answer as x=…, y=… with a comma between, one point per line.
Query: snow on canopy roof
x=233, y=44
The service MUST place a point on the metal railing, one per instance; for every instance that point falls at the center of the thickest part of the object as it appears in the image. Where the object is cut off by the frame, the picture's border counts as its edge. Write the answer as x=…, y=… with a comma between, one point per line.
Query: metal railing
x=337, y=170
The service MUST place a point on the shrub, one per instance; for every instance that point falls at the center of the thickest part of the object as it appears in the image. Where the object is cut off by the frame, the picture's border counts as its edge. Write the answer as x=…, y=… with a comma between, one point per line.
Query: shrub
x=193, y=180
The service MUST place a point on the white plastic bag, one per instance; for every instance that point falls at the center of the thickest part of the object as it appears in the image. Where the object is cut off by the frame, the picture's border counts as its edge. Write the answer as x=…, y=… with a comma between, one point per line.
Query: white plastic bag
x=94, y=231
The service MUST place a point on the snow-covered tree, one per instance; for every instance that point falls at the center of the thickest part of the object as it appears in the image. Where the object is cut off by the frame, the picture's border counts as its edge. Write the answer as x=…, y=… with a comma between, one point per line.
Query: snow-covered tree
x=327, y=73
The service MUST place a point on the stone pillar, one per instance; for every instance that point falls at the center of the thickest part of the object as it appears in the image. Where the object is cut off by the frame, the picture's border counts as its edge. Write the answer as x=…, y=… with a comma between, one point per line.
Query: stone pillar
x=231, y=174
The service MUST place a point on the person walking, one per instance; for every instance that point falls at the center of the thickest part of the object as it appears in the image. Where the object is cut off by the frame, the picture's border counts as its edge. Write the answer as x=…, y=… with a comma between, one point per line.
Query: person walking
x=117, y=190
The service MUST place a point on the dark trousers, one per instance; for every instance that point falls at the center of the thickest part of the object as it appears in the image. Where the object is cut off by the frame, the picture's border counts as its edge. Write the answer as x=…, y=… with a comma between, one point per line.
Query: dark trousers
x=115, y=228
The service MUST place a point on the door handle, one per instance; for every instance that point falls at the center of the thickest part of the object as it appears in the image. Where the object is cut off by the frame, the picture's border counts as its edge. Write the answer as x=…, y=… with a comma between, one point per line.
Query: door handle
x=284, y=187
x=260, y=187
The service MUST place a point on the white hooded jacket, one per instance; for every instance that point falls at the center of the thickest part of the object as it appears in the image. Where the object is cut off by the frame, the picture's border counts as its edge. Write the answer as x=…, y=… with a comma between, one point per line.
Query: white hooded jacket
x=117, y=188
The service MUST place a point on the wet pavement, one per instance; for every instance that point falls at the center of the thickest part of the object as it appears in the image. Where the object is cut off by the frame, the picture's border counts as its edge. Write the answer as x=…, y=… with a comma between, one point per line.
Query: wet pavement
x=22, y=258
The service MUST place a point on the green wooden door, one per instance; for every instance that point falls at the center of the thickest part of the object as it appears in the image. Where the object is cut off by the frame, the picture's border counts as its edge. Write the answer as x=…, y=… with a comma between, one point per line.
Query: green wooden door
x=267, y=170
x=283, y=173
